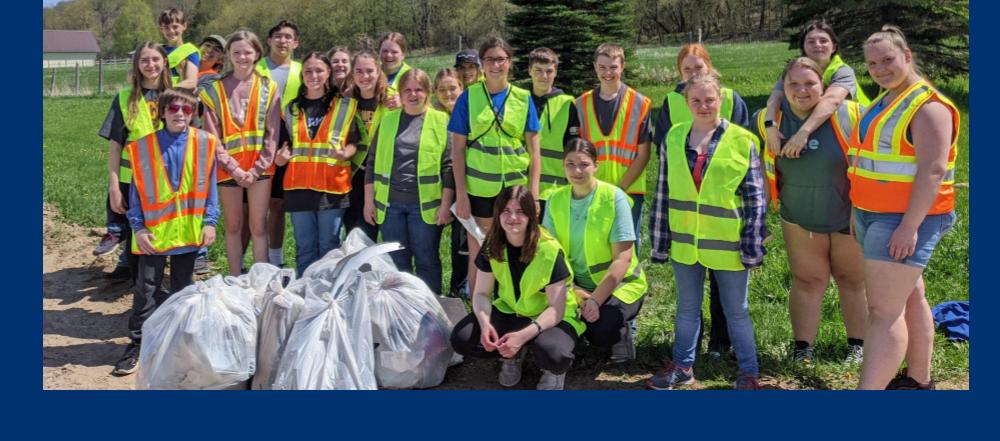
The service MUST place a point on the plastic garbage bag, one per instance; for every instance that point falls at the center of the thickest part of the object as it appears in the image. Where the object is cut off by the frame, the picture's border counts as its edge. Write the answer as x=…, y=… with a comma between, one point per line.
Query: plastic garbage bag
x=471, y=226
x=410, y=329
x=356, y=241
x=203, y=337
x=255, y=282
x=279, y=308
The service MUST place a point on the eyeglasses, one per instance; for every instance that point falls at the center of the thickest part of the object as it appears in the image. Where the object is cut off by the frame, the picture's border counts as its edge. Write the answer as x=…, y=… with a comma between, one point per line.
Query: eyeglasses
x=174, y=108
x=496, y=60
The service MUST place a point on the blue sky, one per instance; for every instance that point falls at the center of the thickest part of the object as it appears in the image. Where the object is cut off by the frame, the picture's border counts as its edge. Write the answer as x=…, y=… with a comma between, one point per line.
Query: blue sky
x=51, y=2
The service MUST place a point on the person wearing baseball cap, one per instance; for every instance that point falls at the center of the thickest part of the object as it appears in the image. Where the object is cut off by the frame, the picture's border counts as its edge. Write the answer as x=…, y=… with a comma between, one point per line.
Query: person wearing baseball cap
x=212, y=50
x=468, y=66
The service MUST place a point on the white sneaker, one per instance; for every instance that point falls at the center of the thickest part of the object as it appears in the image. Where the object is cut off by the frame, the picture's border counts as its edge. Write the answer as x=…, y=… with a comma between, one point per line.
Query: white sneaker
x=624, y=350
x=510, y=370
x=550, y=381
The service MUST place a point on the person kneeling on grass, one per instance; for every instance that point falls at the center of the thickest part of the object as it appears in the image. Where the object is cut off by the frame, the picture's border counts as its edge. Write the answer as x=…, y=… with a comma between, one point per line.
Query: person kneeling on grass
x=535, y=307
x=716, y=219
x=173, y=209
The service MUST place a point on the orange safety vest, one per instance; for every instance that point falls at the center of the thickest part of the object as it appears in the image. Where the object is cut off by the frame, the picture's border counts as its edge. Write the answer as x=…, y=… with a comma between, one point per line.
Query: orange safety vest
x=885, y=162
x=311, y=166
x=242, y=143
x=174, y=216
x=616, y=150
x=843, y=121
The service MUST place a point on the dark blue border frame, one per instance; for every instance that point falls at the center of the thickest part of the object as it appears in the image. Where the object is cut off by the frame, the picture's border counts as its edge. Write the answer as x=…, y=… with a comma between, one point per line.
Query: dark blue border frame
x=623, y=414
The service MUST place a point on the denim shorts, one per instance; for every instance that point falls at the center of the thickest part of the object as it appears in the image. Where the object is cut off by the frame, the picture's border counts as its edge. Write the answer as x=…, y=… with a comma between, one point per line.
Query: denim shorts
x=873, y=231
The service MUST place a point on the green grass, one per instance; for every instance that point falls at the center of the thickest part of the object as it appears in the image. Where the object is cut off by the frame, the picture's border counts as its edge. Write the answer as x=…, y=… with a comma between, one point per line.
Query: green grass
x=65, y=80
x=74, y=181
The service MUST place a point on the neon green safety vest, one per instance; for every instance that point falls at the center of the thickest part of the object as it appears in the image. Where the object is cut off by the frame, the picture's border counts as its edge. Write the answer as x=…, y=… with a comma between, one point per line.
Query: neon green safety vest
x=141, y=125
x=367, y=132
x=705, y=225
x=554, y=121
x=433, y=140
x=617, y=149
x=680, y=112
x=496, y=157
x=291, y=87
x=177, y=56
x=174, y=216
x=597, y=251
x=534, y=280
x=835, y=64
x=393, y=86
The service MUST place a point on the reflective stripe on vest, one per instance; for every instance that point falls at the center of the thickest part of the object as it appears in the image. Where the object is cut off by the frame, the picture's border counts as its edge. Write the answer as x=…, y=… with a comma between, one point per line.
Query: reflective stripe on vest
x=842, y=122
x=597, y=251
x=311, y=166
x=138, y=126
x=835, y=64
x=617, y=149
x=885, y=162
x=554, y=120
x=367, y=132
x=496, y=157
x=680, y=112
x=433, y=141
x=392, y=88
x=242, y=143
x=534, y=280
x=176, y=57
x=174, y=216
x=705, y=225
x=291, y=90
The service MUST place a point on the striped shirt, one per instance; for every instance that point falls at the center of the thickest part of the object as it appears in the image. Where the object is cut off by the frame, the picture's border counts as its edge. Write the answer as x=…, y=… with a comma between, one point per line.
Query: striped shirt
x=752, y=210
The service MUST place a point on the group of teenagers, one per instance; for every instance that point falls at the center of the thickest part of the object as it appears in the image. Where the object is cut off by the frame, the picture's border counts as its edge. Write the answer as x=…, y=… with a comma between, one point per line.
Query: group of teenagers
x=557, y=184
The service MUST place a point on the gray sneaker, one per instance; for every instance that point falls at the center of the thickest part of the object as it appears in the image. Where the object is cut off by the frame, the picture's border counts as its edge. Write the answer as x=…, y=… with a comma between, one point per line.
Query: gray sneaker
x=803, y=356
x=201, y=266
x=624, y=350
x=510, y=370
x=550, y=381
x=855, y=354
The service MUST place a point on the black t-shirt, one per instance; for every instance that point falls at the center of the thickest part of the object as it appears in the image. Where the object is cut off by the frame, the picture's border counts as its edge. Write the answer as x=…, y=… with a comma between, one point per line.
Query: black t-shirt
x=310, y=200
x=607, y=113
x=572, y=127
x=114, y=128
x=559, y=271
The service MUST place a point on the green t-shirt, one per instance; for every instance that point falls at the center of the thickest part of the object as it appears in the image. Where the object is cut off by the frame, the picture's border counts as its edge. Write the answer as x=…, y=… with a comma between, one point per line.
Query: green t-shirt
x=621, y=231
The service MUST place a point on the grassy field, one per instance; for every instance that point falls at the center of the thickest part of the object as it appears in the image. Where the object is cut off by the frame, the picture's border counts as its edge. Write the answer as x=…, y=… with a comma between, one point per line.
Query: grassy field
x=74, y=181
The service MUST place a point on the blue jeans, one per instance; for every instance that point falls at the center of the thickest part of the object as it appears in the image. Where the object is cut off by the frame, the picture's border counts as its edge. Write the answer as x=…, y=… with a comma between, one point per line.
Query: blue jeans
x=316, y=233
x=637, y=201
x=873, y=231
x=420, y=242
x=690, y=280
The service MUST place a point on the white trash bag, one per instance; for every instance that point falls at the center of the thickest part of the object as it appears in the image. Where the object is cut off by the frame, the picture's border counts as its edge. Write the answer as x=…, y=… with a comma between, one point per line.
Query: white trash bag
x=279, y=308
x=356, y=241
x=411, y=331
x=203, y=337
x=330, y=344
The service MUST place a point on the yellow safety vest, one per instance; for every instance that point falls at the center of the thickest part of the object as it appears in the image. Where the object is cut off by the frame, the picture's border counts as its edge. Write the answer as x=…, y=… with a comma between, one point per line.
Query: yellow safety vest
x=597, y=251
x=393, y=86
x=705, y=225
x=534, y=280
x=835, y=64
x=433, y=141
x=616, y=150
x=176, y=57
x=174, y=216
x=367, y=132
x=554, y=120
x=138, y=126
x=496, y=157
x=291, y=87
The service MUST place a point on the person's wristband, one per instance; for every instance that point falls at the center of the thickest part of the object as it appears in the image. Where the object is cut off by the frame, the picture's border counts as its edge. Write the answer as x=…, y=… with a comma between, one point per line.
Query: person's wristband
x=537, y=326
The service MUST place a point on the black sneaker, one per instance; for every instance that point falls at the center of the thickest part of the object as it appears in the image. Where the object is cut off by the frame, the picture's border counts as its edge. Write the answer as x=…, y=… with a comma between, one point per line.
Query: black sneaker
x=120, y=274
x=905, y=382
x=129, y=362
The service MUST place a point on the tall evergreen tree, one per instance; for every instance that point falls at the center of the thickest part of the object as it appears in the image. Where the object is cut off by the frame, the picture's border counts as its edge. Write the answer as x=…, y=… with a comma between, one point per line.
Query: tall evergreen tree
x=572, y=28
x=936, y=30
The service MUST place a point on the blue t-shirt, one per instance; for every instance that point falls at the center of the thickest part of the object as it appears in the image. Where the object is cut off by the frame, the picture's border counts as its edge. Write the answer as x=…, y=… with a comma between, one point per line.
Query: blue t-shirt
x=193, y=58
x=622, y=230
x=869, y=115
x=459, y=121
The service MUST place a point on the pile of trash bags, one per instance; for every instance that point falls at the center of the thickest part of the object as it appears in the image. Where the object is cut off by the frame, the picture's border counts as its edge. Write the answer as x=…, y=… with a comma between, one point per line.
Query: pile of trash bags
x=353, y=321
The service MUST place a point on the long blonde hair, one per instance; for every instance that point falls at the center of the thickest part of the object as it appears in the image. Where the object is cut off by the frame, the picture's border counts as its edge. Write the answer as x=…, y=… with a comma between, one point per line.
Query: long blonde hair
x=135, y=78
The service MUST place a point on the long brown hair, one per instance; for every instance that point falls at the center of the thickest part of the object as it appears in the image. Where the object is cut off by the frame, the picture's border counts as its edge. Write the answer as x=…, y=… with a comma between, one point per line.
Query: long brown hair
x=381, y=83
x=496, y=239
x=135, y=78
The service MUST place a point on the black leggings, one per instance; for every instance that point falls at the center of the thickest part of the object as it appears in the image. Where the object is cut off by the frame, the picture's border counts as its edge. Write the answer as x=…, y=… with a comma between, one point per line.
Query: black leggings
x=552, y=349
x=610, y=326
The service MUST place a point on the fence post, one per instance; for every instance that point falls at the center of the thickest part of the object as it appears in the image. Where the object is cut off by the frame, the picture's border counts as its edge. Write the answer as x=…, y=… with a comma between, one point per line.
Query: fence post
x=77, y=77
x=699, y=35
x=52, y=84
x=459, y=43
x=100, y=76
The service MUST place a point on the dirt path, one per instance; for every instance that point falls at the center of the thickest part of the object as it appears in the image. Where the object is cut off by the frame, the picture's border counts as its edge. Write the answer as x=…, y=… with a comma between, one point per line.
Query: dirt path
x=85, y=317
